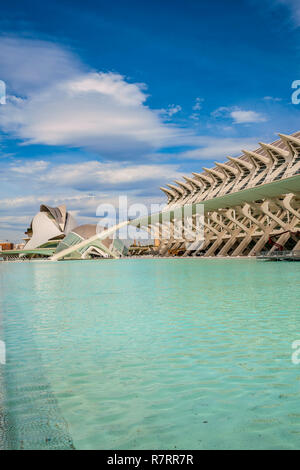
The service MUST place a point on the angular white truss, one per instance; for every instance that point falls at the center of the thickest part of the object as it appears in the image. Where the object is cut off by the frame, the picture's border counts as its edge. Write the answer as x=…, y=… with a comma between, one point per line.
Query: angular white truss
x=243, y=213
x=247, y=202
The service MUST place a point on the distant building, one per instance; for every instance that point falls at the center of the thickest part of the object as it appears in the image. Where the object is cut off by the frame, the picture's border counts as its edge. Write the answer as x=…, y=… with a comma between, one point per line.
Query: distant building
x=6, y=246
x=53, y=230
x=95, y=248
x=19, y=246
x=48, y=227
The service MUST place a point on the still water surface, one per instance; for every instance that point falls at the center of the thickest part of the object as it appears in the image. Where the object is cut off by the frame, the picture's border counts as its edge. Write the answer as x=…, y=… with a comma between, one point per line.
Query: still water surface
x=150, y=354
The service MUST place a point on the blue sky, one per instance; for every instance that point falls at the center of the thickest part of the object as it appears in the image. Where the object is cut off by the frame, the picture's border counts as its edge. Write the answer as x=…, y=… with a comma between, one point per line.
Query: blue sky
x=109, y=98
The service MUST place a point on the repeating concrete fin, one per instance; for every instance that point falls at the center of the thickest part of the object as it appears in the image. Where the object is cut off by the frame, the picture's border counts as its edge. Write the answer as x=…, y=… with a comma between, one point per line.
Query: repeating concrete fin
x=291, y=139
x=236, y=166
x=196, y=183
x=206, y=180
x=216, y=175
x=275, y=151
x=256, y=156
x=292, y=143
x=202, y=177
x=170, y=194
x=186, y=187
x=240, y=227
x=242, y=163
x=227, y=168
x=177, y=189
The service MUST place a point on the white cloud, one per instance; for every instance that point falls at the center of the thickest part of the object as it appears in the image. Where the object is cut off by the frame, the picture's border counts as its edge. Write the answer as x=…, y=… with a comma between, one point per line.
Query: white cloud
x=195, y=116
x=218, y=148
x=272, y=98
x=96, y=111
x=29, y=167
x=238, y=115
x=222, y=111
x=56, y=100
x=103, y=112
x=241, y=117
x=112, y=85
x=87, y=176
x=97, y=174
x=30, y=64
x=173, y=109
x=30, y=204
x=198, y=104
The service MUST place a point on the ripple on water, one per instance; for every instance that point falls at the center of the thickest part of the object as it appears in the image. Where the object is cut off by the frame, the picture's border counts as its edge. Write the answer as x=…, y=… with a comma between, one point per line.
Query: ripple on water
x=153, y=354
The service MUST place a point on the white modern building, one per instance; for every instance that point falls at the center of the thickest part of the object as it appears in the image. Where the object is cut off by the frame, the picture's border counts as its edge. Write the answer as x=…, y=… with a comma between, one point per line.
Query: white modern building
x=251, y=203
x=48, y=227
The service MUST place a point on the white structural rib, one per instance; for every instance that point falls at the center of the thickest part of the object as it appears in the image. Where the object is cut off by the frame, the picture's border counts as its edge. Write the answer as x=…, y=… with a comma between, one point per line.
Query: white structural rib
x=227, y=168
x=291, y=142
x=256, y=156
x=184, y=186
x=263, y=179
x=242, y=163
x=275, y=151
x=177, y=190
x=170, y=194
x=264, y=194
x=202, y=177
x=194, y=182
x=216, y=175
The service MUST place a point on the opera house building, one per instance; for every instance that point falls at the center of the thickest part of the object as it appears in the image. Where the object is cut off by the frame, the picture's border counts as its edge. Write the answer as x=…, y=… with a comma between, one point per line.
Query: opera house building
x=48, y=227
x=53, y=230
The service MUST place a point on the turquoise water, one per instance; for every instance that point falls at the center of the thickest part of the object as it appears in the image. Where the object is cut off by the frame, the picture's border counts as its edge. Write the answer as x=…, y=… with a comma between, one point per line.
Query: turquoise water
x=151, y=354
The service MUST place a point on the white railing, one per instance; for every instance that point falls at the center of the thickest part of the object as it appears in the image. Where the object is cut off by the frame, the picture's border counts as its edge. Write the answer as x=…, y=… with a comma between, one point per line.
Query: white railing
x=292, y=254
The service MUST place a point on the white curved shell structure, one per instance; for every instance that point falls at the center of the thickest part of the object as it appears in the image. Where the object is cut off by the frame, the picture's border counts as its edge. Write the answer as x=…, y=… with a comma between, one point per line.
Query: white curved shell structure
x=50, y=223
